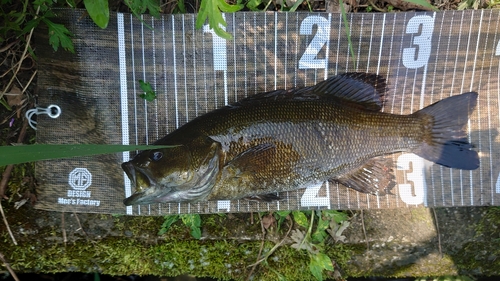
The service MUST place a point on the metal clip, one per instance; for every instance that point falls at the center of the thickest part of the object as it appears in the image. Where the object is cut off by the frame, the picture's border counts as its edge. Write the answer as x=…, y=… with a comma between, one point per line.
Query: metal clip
x=53, y=111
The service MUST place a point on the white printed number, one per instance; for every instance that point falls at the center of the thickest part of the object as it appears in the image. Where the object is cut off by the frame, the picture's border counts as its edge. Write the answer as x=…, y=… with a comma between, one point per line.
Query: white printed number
x=412, y=59
x=310, y=197
x=497, y=185
x=417, y=195
x=309, y=58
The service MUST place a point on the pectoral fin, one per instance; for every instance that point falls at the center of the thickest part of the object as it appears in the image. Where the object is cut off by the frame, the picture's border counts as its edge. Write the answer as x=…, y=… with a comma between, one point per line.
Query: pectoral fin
x=253, y=159
x=374, y=177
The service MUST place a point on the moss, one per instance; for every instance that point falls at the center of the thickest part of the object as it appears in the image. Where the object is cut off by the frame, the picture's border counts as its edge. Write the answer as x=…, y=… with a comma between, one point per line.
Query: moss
x=118, y=256
x=482, y=255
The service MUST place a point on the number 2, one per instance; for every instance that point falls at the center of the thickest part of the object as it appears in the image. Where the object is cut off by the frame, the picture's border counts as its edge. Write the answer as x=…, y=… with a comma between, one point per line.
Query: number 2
x=321, y=38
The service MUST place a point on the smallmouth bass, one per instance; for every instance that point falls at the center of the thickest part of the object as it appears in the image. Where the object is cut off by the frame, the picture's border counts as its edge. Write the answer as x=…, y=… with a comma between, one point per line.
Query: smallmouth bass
x=285, y=140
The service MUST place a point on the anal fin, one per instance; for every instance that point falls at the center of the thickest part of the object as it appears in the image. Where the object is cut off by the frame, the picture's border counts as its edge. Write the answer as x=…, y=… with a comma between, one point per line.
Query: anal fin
x=374, y=177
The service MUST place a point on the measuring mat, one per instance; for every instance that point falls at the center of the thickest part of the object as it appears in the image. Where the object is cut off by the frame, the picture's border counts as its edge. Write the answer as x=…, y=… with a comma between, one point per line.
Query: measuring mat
x=424, y=56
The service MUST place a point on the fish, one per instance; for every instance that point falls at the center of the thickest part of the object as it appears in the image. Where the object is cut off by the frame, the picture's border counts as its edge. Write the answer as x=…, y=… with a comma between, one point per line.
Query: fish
x=289, y=139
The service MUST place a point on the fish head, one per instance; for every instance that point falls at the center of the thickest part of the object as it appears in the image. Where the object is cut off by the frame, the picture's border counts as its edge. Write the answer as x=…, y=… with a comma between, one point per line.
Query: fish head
x=170, y=175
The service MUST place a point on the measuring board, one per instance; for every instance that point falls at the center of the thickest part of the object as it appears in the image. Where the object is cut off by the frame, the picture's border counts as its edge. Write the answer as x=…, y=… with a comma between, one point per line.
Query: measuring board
x=424, y=56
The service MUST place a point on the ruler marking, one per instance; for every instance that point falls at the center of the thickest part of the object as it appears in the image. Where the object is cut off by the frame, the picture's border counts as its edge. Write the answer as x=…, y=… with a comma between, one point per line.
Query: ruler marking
x=360, y=41
x=184, y=64
x=338, y=44
x=256, y=91
x=478, y=112
x=390, y=55
x=381, y=43
x=205, y=92
x=175, y=75
x=441, y=169
x=296, y=48
x=124, y=102
x=265, y=53
x=388, y=203
x=433, y=181
x=245, y=52
x=154, y=83
x=276, y=50
x=348, y=49
x=194, y=69
x=146, y=129
x=461, y=91
x=234, y=65
x=154, y=76
x=328, y=46
x=451, y=93
x=164, y=68
x=493, y=184
x=370, y=45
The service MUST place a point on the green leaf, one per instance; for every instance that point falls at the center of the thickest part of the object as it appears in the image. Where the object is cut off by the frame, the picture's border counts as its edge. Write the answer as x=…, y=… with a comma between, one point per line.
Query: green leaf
x=193, y=221
x=320, y=233
x=98, y=11
x=181, y=7
x=36, y=152
x=296, y=5
x=422, y=3
x=316, y=269
x=280, y=216
x=319, y=262
x=196, y=232
x=324, y=261
x=337, y=216
x=211, y=9
x=59, y=35
x=300, y=218
x=254, y=4
x=347, y=30
x=149, y=93
x=169, y=220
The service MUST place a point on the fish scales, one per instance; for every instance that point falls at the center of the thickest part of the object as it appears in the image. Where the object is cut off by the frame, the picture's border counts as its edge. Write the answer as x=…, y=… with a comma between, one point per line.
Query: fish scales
x=288, y=139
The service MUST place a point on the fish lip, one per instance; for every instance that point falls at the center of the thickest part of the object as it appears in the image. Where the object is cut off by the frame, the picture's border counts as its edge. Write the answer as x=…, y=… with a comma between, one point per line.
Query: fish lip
x=132, y=200
x=129, y=169
x=134, y=173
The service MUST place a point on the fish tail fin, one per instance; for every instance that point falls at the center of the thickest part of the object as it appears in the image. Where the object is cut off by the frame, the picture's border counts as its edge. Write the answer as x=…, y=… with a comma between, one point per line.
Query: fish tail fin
x=445, y=141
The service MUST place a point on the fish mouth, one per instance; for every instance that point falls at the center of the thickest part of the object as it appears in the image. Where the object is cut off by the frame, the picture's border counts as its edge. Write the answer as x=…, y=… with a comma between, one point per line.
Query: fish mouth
x=141, y=179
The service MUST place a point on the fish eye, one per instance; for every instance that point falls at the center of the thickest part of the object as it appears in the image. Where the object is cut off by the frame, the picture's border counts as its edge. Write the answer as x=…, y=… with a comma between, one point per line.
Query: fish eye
x=156, y=156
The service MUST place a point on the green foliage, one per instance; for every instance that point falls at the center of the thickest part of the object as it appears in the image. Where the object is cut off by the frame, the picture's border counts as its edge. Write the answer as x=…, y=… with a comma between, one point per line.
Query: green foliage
x=329, y=222
x=212, y=9
x=139, y=7
x=180, y=8
x=280, y=217
x=169, y=220
x=193, y=221
x=59, y=35
x=300, y=218
x=347, y=30
x=422, y=3
x=36, y=152
x=98, y=11
x=149, y=94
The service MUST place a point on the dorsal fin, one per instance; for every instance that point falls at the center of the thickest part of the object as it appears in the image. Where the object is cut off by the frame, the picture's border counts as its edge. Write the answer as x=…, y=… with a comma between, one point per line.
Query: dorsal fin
x=366, y=89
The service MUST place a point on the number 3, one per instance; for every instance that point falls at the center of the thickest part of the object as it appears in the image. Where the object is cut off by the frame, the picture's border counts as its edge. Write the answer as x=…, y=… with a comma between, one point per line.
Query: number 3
x=412, y=59
x=417, y=177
